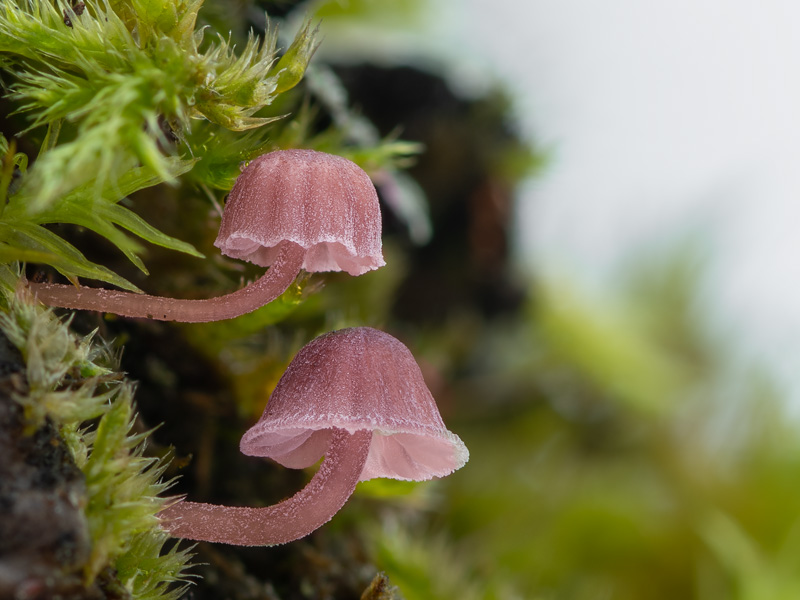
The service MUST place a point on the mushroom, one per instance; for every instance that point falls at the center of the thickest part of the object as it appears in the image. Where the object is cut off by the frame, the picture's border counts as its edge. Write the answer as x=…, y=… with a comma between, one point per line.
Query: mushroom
x=357, y=397
x=289, y=209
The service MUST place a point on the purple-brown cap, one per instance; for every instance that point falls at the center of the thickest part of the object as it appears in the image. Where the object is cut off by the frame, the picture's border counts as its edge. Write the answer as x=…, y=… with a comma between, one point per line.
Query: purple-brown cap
x=325, y=204
x=357, y=379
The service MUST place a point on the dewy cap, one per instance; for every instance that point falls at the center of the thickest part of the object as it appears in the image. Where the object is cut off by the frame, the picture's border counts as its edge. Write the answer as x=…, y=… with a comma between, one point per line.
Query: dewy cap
x=324, y=203
x=357, y=379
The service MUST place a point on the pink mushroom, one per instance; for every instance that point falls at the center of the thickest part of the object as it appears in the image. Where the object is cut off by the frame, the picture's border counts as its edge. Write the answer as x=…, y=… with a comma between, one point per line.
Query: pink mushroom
x=289, y=209
x=357, y=397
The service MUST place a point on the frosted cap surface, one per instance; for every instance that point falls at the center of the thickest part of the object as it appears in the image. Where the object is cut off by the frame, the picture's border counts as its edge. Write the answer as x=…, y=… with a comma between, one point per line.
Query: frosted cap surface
x=325, y=204
x=356, y=379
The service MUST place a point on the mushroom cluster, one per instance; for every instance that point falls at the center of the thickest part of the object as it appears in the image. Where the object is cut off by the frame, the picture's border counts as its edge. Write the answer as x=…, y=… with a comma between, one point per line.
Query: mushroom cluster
x=355, y=396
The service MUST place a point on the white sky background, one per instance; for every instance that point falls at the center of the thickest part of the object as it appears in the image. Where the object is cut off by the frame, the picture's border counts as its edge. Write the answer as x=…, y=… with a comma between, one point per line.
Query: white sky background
x=663, y=119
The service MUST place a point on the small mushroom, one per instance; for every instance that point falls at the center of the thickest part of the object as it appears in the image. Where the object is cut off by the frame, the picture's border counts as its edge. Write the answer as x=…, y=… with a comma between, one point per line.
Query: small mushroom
x=357, y=397
x=289, y=209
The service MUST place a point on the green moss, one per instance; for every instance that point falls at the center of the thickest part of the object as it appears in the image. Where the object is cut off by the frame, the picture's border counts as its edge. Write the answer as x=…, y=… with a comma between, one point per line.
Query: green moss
x=74, y=382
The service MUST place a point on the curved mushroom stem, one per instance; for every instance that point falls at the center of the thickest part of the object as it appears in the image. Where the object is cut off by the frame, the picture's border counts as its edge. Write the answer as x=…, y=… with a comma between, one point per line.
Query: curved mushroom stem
x=262, y=291
x=296, y=517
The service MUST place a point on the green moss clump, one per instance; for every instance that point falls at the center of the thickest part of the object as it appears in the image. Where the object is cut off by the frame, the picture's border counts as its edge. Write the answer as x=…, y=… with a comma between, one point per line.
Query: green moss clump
x=74, y=383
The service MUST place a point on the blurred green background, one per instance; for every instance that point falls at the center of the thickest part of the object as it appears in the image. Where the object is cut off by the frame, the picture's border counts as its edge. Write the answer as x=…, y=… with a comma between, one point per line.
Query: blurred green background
x=618, y=448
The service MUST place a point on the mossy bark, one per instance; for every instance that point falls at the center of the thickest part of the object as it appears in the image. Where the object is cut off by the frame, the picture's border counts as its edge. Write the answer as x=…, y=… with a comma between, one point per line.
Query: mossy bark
x=44, y=536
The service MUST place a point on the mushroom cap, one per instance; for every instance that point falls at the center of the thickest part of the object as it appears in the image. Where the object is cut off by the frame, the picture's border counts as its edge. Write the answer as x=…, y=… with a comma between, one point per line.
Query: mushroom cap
x=357, y=379
x=325, y=204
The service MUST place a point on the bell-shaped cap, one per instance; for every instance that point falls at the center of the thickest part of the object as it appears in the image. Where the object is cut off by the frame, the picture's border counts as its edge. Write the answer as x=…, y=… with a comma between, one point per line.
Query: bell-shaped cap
x=325, y=204
x=357, y=379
